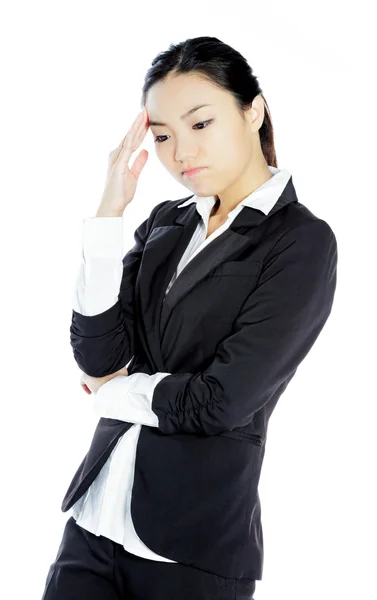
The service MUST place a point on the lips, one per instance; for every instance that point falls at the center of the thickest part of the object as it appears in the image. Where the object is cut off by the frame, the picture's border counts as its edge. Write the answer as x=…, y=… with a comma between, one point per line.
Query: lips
x=193, y=171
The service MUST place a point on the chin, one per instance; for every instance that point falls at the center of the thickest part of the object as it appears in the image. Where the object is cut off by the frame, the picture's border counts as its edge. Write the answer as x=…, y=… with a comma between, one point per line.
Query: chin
x=205, y=191
x=202, y=193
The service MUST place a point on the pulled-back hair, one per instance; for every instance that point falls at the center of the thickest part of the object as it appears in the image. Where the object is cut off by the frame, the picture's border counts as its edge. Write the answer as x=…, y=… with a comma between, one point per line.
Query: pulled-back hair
x=224, y=67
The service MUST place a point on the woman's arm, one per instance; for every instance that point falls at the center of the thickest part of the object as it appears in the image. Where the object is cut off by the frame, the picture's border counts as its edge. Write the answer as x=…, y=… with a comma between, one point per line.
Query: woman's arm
x=100, y=271
x=277, y=326
x=102, y=327
x=128, y=398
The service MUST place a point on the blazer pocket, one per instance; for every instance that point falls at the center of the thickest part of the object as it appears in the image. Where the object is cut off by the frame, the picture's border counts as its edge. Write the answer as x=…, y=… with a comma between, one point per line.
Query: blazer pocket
x=235, y=267
x=244, y=436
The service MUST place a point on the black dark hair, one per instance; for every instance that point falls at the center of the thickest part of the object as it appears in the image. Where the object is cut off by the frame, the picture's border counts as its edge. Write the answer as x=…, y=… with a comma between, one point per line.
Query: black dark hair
x=223, y=66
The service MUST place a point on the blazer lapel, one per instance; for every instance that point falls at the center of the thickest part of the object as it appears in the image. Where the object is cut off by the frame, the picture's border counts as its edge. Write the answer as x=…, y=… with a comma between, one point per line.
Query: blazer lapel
x=163, y=251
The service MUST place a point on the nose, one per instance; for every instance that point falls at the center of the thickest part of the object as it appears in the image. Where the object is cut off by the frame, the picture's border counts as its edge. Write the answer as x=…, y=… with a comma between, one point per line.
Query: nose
x=186, y=153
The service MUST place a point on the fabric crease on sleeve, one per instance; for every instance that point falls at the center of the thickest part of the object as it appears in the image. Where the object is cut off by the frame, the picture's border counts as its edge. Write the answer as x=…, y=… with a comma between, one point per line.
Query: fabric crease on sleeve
x=274, y=331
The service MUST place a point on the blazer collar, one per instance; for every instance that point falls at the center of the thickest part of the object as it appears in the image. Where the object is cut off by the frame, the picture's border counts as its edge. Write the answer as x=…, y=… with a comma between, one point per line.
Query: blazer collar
x=166, y=244
x=263, y=198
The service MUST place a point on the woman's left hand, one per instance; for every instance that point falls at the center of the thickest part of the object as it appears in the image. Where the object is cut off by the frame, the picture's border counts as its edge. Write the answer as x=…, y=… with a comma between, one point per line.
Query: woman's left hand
x=92, y=384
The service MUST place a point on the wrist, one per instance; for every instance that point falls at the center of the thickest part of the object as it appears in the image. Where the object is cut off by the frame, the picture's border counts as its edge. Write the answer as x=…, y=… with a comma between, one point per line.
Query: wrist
x=106, y=213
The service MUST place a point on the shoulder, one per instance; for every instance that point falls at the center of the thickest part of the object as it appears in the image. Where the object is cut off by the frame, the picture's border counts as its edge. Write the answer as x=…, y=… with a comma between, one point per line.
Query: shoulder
x=300, y=221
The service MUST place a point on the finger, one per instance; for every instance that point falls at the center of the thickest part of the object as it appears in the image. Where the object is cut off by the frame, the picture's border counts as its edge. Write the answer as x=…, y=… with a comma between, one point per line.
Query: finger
x=130, y=146
x=132, y=139
x=134, y=129
x=141, y=133
x=137, y=130
x=85, y=388
x=139, y=162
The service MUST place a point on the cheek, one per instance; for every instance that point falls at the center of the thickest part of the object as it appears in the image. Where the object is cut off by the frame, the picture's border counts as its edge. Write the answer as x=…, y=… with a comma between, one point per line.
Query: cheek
x=164, y=151
x=167, y=161
x=162, y=156
x=237, y=153
x=224, y=144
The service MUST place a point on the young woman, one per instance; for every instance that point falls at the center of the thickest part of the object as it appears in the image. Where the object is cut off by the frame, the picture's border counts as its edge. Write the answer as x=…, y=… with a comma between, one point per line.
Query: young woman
x=220, y=299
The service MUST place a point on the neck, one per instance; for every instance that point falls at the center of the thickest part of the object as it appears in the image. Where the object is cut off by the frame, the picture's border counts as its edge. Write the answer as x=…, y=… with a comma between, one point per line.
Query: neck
x=227, y=200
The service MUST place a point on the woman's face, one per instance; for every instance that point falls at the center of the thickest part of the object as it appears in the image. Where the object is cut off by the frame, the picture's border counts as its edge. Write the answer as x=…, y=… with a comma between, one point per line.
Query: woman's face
x=214, y=136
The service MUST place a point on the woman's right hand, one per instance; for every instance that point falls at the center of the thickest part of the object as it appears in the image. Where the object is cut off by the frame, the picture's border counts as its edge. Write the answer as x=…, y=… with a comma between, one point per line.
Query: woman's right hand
x=123, y=371
x=121, y=180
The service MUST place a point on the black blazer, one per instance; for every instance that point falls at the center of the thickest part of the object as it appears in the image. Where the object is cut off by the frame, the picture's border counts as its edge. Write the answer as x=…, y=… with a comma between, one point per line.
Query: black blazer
x=232, y=330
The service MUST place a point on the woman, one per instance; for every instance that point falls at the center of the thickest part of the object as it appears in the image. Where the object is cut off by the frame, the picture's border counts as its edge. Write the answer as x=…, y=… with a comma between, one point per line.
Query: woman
x=217, y=304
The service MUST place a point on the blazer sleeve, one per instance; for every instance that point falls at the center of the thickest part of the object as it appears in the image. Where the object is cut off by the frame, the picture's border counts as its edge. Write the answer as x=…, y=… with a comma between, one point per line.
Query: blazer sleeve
x=274, y=331
x=103, y=343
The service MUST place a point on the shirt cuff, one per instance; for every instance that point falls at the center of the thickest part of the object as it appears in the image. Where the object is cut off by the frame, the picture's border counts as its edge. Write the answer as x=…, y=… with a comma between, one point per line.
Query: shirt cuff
x=97, y=286
x=128, y=398
x=100, y=273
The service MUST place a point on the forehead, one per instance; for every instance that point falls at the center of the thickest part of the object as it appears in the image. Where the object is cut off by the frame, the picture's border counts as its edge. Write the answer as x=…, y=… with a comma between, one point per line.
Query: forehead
x=177, y=94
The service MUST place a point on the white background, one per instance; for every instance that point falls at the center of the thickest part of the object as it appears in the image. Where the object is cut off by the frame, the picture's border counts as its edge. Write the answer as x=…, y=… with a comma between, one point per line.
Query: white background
x=71, y=81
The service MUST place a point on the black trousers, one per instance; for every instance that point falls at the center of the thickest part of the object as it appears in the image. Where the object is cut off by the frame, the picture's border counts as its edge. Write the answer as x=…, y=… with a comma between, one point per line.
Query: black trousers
x=96, y=568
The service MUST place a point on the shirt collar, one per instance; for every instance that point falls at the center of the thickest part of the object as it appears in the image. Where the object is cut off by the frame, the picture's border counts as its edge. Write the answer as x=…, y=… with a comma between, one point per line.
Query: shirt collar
x=263, y=198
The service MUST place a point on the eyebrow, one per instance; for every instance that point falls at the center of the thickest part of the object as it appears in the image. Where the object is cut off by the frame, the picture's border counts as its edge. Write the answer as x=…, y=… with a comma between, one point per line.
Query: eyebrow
x=189, y=112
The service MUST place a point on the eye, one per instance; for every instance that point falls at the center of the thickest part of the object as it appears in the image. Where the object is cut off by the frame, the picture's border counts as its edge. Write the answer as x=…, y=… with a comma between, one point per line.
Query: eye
x=204, y=123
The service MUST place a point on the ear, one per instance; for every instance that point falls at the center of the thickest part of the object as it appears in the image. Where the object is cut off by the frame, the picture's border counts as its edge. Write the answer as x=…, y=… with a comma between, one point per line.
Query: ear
x=255, y=114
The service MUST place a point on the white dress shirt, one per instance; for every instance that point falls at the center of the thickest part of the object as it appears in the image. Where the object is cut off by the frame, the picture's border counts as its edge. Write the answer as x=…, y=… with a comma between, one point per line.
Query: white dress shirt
x=105, y=508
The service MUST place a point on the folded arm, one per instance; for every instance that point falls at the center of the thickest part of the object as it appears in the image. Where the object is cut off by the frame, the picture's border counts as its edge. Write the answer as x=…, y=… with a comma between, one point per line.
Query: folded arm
x=277, y=326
